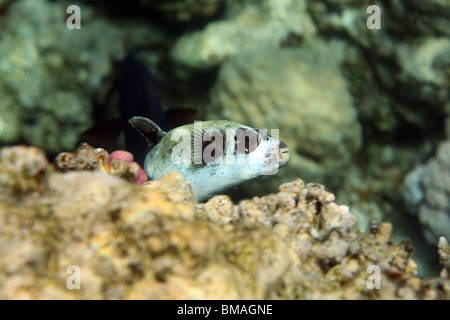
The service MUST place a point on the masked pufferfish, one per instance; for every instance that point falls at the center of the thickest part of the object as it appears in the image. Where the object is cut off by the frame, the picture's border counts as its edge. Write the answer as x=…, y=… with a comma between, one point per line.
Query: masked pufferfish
x=208, y=178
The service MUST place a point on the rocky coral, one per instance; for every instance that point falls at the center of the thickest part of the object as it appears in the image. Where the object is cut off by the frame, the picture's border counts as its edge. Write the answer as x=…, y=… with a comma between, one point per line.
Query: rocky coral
x=330, y=258
x=283, y=89
x=50, y=75
x=444, y=254
x=408, y=54
x=398, y=78
x=119, y=163
x=22, y=170
x=266, y=22
x=156, y=242
x=427, y=190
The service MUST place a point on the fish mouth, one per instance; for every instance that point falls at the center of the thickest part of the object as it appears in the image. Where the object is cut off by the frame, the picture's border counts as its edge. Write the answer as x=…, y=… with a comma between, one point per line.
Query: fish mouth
x=283, y=154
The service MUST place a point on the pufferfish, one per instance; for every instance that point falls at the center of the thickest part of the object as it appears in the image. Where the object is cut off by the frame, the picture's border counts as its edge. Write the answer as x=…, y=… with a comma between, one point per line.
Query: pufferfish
x=212, y=155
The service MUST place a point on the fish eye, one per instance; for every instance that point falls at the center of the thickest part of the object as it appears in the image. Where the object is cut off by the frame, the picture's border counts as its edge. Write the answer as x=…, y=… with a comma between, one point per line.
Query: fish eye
x=246, y=140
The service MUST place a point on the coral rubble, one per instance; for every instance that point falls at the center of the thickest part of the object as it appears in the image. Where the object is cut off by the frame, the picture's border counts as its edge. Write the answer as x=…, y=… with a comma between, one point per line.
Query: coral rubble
x=156, y=242
x=119, y=163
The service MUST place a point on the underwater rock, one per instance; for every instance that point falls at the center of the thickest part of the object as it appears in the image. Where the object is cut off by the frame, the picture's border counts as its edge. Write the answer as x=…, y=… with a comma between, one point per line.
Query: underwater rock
x=127, y=241
x=272, y=88
x=444, y=254
x=49, y=75
x=408, y=55
x=398, y=77
x=427, y=190
x=425, y=65
x=267, y=22
x=22, y=170
x=425, y=60
x=119, y=163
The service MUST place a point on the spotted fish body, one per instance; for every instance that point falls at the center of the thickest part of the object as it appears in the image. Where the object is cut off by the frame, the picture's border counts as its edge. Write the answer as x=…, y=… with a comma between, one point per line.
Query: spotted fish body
x=208, y=177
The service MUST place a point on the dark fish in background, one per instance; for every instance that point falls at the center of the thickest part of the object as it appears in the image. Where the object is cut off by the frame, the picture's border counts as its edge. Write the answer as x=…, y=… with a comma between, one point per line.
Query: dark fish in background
x=138, y=96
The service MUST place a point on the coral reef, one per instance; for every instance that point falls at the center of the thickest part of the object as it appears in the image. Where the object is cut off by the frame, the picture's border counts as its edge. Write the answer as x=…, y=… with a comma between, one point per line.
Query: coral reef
x=427, y=190
x=22, y=170
x=119, y=163
x=269, y=22
x=409, y=59
x=50, y=75
x=156, y=242
x=444, y=254
x=398, y=78
x=274, y=88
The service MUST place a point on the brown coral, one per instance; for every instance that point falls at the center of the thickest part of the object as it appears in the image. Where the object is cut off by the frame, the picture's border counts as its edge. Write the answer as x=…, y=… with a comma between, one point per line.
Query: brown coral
x=330, y=257
x=156, y=242
x=22, y=169
x=89, y=158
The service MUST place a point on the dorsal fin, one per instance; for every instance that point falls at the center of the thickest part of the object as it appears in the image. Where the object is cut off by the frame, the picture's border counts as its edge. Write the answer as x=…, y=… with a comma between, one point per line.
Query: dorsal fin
x=148, y=129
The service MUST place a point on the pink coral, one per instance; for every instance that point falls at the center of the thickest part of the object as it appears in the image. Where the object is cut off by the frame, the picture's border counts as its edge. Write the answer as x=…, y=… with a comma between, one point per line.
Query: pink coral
x=121, y=155
x=119, y=163
x=128, y=158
